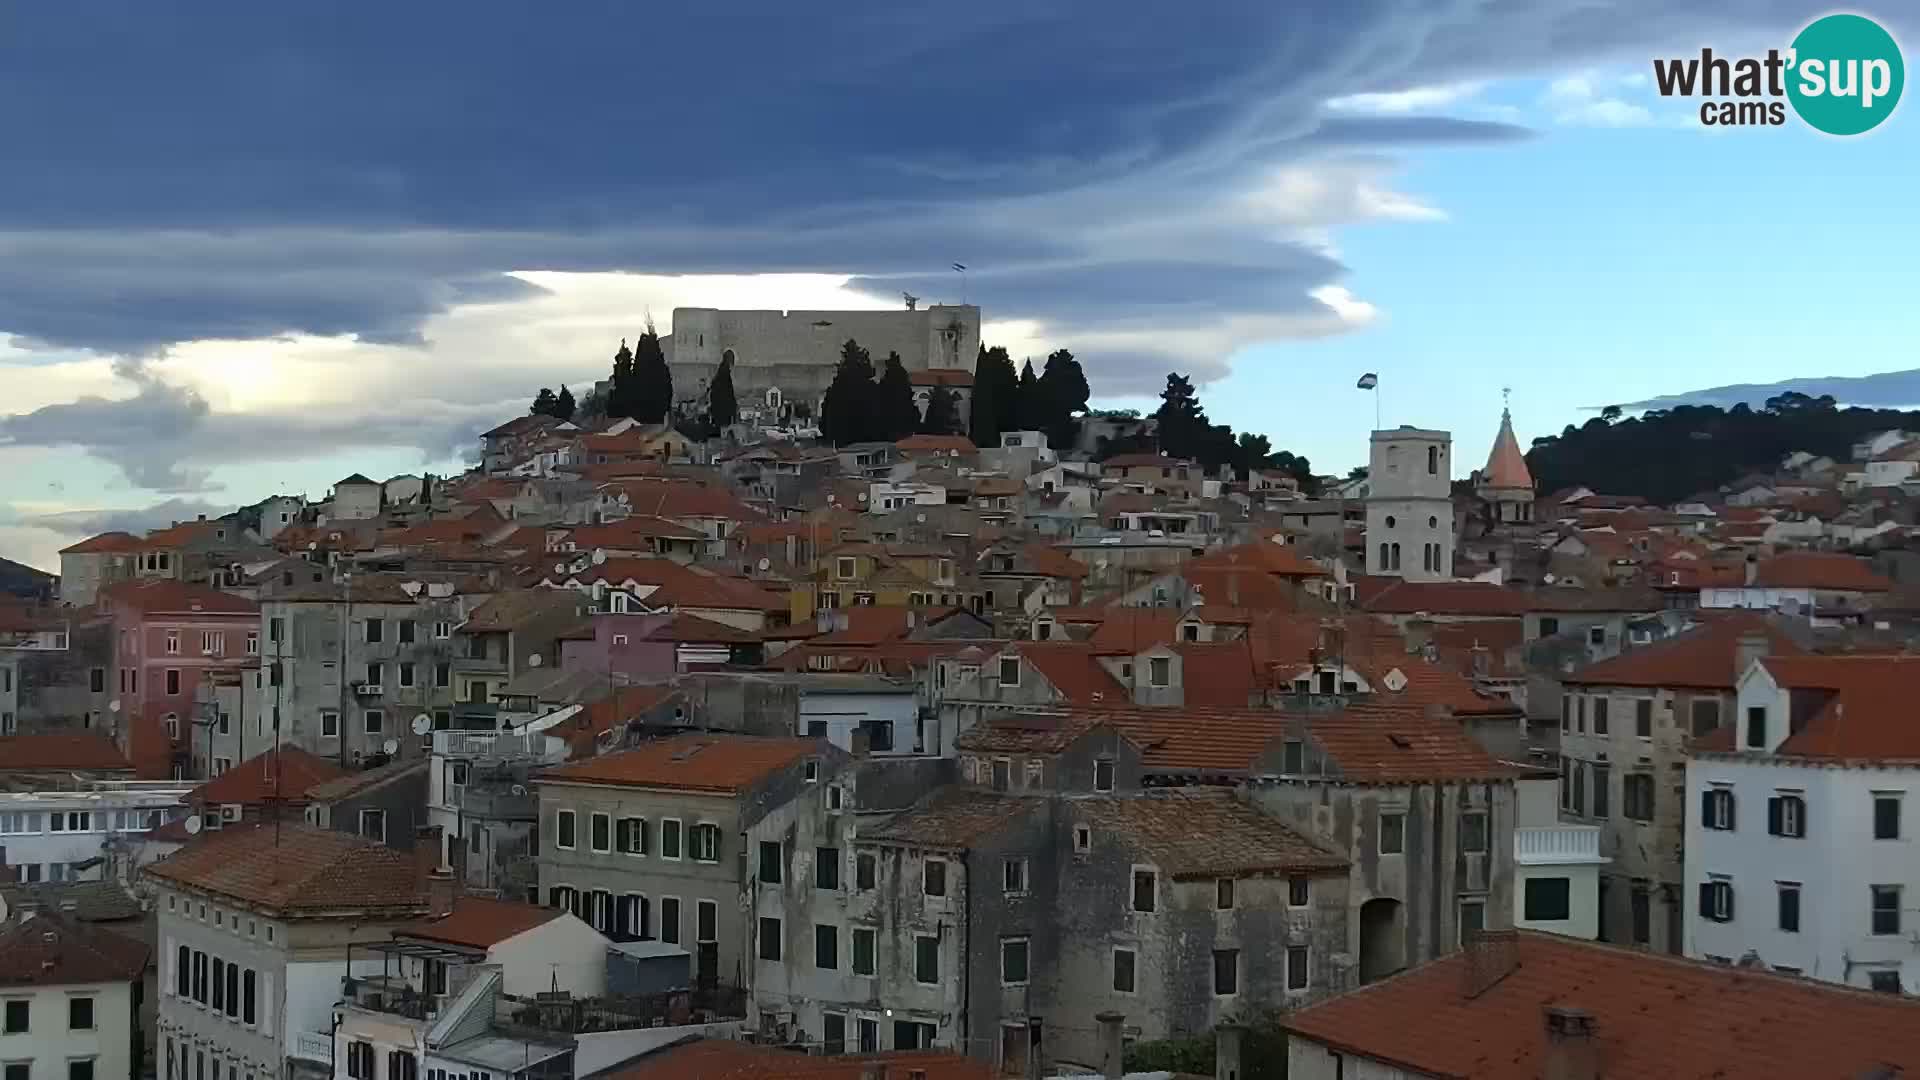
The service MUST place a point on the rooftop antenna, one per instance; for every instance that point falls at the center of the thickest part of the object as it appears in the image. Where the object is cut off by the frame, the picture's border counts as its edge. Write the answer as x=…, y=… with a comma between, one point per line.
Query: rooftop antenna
x=912, y=300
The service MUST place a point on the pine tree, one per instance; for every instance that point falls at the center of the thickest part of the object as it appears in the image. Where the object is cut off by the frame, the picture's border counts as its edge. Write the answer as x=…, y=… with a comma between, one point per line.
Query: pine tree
x=1183, y=423
x=894, y=410
x=620, y=388
x=563, y=405
x=996, y=396
x=943, y=413
x=722, y=408
x=848, y=413
x=1063, y=386
x=653, y=383
x=1031, y=412
x=542, y=402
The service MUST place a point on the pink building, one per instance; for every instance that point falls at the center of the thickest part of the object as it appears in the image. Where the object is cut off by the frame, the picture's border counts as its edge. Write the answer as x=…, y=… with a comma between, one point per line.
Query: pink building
x=167, y=637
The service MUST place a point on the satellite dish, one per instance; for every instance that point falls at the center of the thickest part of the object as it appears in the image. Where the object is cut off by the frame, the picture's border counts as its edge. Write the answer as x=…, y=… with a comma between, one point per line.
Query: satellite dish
x=312, y=545
x=518, y=790
x=765, y=563
x=863, y=496
x=390, y=747
x=921, y=518
x=534, y=660
x=114, y=705
x=422, y=724
x=559, y=568
x=599, y=556
x=1547, y=578
x=193, y=825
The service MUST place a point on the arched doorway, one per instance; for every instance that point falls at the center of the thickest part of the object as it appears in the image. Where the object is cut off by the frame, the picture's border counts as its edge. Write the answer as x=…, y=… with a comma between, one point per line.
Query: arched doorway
x=1383, y=938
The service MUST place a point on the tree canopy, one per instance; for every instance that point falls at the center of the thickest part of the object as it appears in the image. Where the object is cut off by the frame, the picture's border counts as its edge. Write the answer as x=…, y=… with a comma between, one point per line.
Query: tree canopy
x=1668, y=455
x=722, y=407
x=653, y=382
x=943, y=413
x=846, y=416
x=543, y=402
x=1185, y=432
x=621, y=388
x=996, y=396
x=895, y=413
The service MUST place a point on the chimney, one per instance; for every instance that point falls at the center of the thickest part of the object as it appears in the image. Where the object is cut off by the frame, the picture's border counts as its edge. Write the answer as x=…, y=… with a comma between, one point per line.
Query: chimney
x=862, y=740
x=1572, y=1052
x=427, y=849
x=1491, y=955
x=1752, y=646
x=1226, y=1051
x=1110, y=1044
x=440, y=893
x=873, y=1070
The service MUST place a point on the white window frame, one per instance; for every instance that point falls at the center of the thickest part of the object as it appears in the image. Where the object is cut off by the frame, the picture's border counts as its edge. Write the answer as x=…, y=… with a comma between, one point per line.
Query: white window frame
x=329, y=723
x=1025, y=943
x=1016, y=867
x=1082, y=839
x=592, y=818
x=361, y=824
x=703, y=828
x=679, y=837
x=572, y=818
x=1014, y=661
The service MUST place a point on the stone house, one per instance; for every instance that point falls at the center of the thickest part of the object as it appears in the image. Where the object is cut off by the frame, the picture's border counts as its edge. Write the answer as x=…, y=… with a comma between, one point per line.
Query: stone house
x=1625, y=727
x=648, y=842
x=72, y=997
x=94, y=562
x=387, y=803
x=498, y=642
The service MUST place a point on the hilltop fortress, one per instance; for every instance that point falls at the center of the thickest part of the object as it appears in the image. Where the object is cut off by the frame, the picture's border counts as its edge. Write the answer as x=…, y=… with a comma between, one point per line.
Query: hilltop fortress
x=786, y=359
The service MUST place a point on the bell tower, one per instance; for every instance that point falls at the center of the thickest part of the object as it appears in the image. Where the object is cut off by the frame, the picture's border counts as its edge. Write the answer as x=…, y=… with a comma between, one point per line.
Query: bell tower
x=1410, y=530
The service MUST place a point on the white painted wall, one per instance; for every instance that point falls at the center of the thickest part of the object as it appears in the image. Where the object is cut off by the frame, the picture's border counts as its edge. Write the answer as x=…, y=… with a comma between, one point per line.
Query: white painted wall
x=842, y=713
x=601, y=1049
x=564, y=949
x=49, y=1044
x=1311, y=1061
x=1583, y=900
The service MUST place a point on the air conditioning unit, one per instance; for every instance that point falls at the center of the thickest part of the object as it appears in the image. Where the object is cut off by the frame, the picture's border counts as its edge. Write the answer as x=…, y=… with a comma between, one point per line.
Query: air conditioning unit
x=368, y=689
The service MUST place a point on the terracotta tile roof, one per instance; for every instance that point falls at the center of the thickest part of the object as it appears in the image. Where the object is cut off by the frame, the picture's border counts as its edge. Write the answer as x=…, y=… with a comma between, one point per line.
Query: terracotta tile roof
x=948, y=444
x=89, y=752
x=1506, y=465
x=695, y=628
x=52, y=949
x=93, y=901
x=1129, y=630
x=623, y=533
x=1702, y=658
x=1027, y=732
x=1819, y=570
x=161, y=597
x=679, y=499
x=1206, y=832
x=1654, y=1015
x=480, y=923
x=626, y=703
x=1283, y=560
x=1053, y=562
x=712, y=763
x=295, y=868
x=508, y=610
x=173, y=536
x=105, y=543
x=520, y=425
x=1865, y=716
x=868, y=624
x=952, y=817
x=1394, y=596
x=679, y=586
x=1500, y=640
x=1253, y=590
x=941, y=377
x=290, y=770
x=352, y=783
x=725, y=1059
x=1071, y=668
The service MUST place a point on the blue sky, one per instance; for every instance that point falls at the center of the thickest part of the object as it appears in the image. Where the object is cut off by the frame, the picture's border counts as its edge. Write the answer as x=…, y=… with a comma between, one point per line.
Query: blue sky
x=263, y=250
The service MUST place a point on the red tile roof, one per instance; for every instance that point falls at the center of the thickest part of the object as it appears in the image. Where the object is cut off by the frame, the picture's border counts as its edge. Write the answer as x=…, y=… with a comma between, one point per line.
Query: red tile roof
x=677, y=585
x=679, y=499
x=1506, y=465
x=163, y=597
x=1703, y=658
x=1130, y=461
x=1655, y=1016
x=1283, y=560
x=1201, y=832
x=952, y=817
x=1394, y=596
x=481, y=923
x=723, y=1059
x=293, y=867
x=1819, y=570
x=288, y=773
x=1865, y=716
x=942, y=444
x=51, y=949
x=59, y=751
x=710, y=763
x=583, y=732
x=105, y=543
x=1071, y=668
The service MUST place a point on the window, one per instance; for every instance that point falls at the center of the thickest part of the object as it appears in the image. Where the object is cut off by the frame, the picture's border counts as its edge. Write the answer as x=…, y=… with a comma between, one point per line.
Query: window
x=1010, y=671
x=1602, y=789
x=1787, y=815
x=1082, y=839
x=833, y=1033
x=1013, y=876
x=253, y=643
x=19, y=1017
x=1146, y=889
x=1566, y=712
x=869, y=1035
x=376, y=720
x=1473, y=917
x=1642, y=907
x=83, y=1069
x=1596, y=635
x=770, y=861
x=1600, y=716
x=373, y=825
x=173, y=642
x=1887, y=982
x=173, y=681
x=843, y=568
x=1223, y=894
x=770, y=939
x=703, y=843
x=97, y=680
x=443, y=630
x=826, y=947
x=600, y=833
x=1298, y=967
x=1886, y=816
x=376, y=630
x=1716, y=809
x=249, y=993
x=1103, y=774
x=1226, y=972
x=669, y=838
x=1393, y=833
x=359, y=1061
x=1886, y=909
x=864, y=868
x=406, y=673
x=1473, y=831
x=1013, y=961
x=670, y=920
x=329, y=723
x=630, y=836
x=933, y=877
x=1123, y=971
x=563, y=830
x=1002, y=774
x=1706, y=715
x=376, y=676
x=1636, y=791
x=1643, y=718
x=864, y=939
x=1159, y=671
x=1790, y=906
x=443, y=675
x=706, y=920
x=1548, y=899
x=1299, y=892
x=219, y=985
x=182, y=969
x=926, y=959
x=1757, y=727
x=406, y=631
x=1716, y=900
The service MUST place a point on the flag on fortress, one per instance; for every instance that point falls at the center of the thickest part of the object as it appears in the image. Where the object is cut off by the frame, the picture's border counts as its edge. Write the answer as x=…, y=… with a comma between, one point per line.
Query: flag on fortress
x=1368, y=381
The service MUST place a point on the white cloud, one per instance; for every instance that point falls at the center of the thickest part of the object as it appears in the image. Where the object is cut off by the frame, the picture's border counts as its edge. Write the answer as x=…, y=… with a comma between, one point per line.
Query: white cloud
x=1418, y=99
x=1598, y=99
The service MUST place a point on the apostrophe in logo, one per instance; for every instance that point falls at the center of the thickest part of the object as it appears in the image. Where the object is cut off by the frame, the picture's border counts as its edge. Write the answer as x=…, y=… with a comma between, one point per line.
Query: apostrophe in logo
x=1843, y=75
x=1846, y=74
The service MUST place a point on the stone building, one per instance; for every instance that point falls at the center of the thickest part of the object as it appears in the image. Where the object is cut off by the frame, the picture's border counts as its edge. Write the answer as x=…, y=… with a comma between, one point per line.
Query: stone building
x=1410, y=523
x=784, y=359
x=646, y=843
x=1625, y=727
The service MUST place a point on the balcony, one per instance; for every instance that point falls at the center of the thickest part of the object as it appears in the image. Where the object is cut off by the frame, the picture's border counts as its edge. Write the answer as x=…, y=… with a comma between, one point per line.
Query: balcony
x=312, y=1046
x=499, y=803
x=390, y=994
x=1557, y=845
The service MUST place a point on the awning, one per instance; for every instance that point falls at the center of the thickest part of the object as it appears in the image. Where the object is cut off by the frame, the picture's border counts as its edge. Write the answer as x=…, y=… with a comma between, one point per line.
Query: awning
x=426, y=950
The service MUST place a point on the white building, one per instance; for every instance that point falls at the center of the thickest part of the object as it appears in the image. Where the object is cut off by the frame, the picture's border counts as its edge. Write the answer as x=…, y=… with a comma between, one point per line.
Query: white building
x=1800, y=852
x=89, y=835
x=68, y=1000
x=1556, y=867
x=1410, y=505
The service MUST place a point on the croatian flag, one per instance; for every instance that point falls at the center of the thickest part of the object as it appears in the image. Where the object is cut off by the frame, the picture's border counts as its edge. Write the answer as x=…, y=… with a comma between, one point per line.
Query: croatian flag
x=1368, y=381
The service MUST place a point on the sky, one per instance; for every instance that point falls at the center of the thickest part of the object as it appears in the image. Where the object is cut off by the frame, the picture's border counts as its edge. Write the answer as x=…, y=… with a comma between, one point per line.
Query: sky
x=250, y=250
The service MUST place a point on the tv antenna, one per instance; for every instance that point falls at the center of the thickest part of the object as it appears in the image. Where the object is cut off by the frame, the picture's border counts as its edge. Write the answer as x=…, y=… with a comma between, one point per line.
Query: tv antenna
x=912, y=300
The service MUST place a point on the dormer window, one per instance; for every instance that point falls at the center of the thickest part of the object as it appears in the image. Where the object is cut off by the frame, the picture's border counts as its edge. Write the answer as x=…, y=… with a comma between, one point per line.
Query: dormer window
x=1757, y=727
x=1159, y=671
x=1009, y=671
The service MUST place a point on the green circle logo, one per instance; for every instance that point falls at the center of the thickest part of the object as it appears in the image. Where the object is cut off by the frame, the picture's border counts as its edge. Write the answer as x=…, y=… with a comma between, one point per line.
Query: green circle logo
x=1844, y=74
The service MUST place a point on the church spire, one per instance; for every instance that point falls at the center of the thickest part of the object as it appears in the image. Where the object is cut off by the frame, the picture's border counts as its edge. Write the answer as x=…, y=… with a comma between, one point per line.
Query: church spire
x=1506, y=466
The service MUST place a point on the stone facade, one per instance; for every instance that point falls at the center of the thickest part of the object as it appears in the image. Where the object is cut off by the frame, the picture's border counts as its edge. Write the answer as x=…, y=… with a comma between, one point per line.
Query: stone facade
x=782, y=359
x=1410, y=518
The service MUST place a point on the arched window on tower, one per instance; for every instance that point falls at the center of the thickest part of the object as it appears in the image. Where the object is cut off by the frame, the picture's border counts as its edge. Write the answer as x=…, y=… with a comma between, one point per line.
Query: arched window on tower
x=1396, y=556
x=1433, y=460
x=1385, y=564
